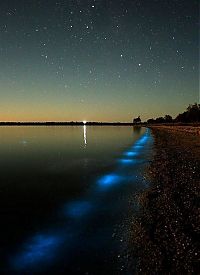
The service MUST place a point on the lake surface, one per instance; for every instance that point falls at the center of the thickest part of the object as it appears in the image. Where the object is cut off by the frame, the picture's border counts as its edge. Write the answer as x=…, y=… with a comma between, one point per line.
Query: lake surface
x=64, y=192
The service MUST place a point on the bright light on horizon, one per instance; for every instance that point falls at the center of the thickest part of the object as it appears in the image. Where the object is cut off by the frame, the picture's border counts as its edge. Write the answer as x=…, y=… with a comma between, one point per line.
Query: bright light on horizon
x=84, y=121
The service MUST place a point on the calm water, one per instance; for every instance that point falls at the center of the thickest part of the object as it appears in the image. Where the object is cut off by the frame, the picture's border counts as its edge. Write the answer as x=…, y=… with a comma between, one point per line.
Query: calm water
x=63, y=193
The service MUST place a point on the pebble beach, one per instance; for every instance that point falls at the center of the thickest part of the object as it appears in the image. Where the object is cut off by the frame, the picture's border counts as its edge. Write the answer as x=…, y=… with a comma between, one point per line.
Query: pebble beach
x=163, y=237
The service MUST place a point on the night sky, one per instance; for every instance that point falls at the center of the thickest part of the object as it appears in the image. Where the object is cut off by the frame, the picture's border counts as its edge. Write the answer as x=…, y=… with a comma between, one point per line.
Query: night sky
x=97, y=60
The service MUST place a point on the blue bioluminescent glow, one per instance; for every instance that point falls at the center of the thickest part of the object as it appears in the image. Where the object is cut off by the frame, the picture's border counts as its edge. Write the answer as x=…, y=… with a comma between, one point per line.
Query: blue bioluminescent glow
x=109, y=180
x=130, y=154
x=127, y=161
x=40, y=250
x=142, y=140
x=78, y=209
x=137, y=147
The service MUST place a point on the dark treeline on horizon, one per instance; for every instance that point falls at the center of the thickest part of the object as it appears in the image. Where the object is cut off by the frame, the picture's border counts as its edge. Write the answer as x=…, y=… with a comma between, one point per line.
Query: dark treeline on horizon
x=191, y=115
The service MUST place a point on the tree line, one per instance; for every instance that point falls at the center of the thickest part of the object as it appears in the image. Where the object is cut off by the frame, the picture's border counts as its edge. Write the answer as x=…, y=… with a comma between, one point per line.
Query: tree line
x=191, y=115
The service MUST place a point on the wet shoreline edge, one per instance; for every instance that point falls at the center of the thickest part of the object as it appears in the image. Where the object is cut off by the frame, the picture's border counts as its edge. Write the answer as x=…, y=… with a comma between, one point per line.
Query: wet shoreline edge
x=162, y=238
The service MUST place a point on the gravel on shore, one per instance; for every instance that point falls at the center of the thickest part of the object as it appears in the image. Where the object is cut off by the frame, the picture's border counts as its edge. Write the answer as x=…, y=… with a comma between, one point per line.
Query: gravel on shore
x=163, y=238
x=187, y=129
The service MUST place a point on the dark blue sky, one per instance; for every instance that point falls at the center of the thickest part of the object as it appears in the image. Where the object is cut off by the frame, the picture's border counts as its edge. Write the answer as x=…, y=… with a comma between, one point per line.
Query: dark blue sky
x=97, y=60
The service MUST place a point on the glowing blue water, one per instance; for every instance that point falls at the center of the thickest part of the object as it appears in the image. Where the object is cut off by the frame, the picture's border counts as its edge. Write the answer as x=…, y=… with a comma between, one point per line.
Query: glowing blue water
x=109, y=180
x=42, y=248
x=130, y=154
x=78, y=209
x=127, y=161
x=39, y=250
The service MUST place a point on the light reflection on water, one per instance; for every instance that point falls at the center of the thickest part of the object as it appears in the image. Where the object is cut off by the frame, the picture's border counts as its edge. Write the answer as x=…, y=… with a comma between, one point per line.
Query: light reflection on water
x=85, y=135
x=43, y=248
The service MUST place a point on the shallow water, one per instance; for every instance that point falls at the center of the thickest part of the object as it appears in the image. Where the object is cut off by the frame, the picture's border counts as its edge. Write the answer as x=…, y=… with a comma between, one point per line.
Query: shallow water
x=63, y=193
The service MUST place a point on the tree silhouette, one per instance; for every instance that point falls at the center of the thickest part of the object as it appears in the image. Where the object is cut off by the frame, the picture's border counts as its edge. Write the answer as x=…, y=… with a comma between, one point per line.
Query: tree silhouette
x=191, y=115
x=151, y=121
x=137, y=120
x=160, y=120
x=168, y=119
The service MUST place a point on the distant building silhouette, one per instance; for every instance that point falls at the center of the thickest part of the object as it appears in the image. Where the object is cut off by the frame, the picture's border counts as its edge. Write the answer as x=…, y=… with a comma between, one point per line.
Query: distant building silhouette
x=137, y=120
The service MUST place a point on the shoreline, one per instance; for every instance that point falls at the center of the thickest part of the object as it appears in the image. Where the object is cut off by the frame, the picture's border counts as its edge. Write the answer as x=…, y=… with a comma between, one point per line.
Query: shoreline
x=163, y=237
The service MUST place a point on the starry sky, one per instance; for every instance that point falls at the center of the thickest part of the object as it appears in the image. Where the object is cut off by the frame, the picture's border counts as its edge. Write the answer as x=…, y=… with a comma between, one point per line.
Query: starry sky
x=97, y=60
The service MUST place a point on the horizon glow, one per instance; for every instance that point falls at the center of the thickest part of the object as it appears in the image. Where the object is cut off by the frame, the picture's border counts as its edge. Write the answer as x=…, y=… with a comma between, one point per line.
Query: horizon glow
x=112, y=61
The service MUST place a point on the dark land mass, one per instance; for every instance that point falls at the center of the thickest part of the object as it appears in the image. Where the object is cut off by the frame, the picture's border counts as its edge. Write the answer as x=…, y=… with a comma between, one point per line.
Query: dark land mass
x=59, y=123
x=163, y=237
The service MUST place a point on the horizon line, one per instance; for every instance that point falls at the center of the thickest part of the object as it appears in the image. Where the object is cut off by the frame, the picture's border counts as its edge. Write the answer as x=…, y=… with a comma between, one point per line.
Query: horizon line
x=62, y=122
